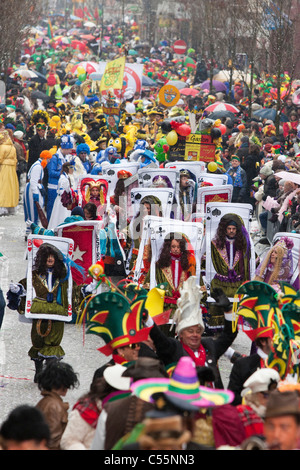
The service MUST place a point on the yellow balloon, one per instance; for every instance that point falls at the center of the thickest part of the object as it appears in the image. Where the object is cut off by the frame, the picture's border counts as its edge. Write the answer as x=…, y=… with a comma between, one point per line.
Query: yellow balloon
x=172, y=137
x=80, y=70
x=212, y=166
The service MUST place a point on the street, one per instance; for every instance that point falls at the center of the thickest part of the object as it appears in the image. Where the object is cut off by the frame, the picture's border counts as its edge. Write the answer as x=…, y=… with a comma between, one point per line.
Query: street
x=16, y=369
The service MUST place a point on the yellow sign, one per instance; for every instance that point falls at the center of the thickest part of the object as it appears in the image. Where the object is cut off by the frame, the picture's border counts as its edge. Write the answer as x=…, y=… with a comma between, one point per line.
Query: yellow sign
x=199, y=148
x=113, y=75
x=168, y=95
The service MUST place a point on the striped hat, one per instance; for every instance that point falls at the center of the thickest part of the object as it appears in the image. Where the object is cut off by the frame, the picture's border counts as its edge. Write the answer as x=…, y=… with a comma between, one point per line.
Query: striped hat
x=182, y=389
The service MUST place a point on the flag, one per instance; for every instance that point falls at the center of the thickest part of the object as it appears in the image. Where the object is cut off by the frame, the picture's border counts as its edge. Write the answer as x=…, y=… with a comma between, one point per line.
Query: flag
x=50, y=30
x=113, y=75
x=88, y=14
x=97, y=13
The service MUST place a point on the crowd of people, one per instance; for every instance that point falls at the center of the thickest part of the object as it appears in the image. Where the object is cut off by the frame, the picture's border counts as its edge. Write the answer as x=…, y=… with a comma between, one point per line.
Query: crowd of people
x=165, y=327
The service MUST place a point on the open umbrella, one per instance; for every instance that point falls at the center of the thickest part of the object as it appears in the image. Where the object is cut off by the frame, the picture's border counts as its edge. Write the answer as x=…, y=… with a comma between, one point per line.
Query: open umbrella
x=177, y=83
x=189, y=91
x=89, y=24
x=289, y=176
x=147, y=81
x=24, y=73
x=189, y=63
x=220, y=106
x=39, y=95
x=224, y=76
x=221, y=114
x=39, y=77
x=218, y=86
x=88, y=37
x=269, y=113
x=89, y=67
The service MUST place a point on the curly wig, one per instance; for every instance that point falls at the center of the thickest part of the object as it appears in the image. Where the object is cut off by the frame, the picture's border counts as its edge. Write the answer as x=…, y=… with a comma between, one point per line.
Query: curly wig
x=40, y=261
x=220, y=238
x=164, y=260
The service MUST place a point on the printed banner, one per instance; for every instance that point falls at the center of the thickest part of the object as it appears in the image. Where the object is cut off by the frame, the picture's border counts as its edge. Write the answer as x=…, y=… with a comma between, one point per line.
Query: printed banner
x=113, y=75
x=132, y=78
x=199, y=147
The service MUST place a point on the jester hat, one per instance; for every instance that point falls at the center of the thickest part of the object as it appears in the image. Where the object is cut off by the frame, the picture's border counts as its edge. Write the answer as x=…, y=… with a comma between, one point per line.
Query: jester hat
x=258, y=310
x=286, y=341
x=118, y=318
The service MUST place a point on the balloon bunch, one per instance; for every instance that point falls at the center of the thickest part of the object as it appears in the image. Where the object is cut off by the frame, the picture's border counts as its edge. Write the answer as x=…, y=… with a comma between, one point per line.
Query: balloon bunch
x=81, y=74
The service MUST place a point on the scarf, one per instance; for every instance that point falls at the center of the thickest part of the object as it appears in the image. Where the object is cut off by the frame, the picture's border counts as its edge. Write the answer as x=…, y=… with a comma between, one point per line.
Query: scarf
x=237, y=179
x=89, y=411
x=199, y=359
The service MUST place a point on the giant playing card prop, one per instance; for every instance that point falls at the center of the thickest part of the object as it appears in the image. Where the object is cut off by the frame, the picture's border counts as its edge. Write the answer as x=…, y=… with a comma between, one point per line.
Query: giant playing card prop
x=65, y=247
x=85, y=236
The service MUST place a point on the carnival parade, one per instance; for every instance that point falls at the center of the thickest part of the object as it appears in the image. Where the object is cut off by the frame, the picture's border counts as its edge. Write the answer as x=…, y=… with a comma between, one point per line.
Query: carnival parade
x=150, y=227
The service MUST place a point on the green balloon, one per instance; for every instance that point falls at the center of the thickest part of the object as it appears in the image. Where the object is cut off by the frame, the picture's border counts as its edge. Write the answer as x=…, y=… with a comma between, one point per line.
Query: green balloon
x=82, y=77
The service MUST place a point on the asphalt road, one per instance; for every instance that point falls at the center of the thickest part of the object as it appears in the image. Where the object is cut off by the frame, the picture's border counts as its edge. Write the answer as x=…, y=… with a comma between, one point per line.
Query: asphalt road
x=16, y=369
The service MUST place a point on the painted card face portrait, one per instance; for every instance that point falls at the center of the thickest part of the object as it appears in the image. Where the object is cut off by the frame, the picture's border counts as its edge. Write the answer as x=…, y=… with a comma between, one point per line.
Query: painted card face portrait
x=35, y=309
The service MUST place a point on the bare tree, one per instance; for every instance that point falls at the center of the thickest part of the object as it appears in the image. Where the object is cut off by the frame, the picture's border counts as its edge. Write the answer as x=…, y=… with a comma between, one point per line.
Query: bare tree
x=17, y=16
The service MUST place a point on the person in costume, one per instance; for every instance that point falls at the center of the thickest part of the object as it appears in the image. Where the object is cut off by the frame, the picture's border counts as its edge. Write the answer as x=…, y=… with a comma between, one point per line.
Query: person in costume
x=38, y=135
x=239, y=179
x=109, y=155
x=180, y=395
x=189, y=328
x=186, y=194
x=96, y=193
x=149, y=205
x=255, y=394
x=59, y=211
x=54, y=170
x=34, y=191
x=120, y=417
x=282, y=413
x=271, y=321
x=9, y=197
x=83, y=417
x=277, y=265
x=82, y=165
x=116, y=201
x=230, y=254
x=174, y=266
x=50, y=285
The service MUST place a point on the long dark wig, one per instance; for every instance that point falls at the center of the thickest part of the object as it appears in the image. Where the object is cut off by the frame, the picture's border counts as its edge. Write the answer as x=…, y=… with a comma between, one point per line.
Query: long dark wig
x=40, y=261
x=220, y=238
x=164, y=260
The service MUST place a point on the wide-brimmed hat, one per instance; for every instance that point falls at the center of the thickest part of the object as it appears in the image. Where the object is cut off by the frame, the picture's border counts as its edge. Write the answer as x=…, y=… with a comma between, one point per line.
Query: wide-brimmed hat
x=262, y=380
x=282, y=404
x=113, y=376
x=182, y=389
x=144, y=368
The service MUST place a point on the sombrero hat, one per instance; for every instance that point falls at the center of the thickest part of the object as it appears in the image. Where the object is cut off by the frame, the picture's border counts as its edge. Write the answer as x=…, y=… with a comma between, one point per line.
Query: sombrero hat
x=182, y=389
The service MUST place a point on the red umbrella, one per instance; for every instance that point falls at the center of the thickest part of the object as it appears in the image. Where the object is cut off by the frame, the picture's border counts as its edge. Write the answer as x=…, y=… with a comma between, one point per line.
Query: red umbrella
x=189, y=91
x=220, y=106
x=79, y=45
x=89, y=67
